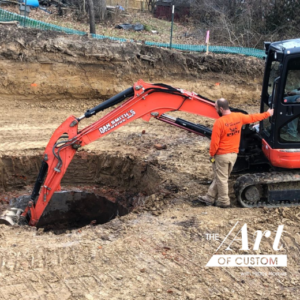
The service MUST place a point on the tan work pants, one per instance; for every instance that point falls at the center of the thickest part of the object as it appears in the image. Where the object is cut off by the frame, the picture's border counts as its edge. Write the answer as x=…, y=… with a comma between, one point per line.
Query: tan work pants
x=222, y=167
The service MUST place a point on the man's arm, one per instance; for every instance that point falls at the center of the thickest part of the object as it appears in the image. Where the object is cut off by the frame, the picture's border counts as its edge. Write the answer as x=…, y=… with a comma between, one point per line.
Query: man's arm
x=215, y=139
x=247, y=119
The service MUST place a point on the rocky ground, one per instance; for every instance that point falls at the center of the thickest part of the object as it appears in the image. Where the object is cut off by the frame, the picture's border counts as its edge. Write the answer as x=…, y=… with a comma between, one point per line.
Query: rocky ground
x=160, y=249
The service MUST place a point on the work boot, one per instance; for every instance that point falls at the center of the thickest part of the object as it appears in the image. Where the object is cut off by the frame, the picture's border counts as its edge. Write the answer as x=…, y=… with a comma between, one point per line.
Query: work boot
x=223, y=205
x=202, y=200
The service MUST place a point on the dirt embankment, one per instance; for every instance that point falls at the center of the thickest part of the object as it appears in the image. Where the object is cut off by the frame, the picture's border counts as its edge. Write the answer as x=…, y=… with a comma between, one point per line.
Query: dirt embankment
x=50, y=65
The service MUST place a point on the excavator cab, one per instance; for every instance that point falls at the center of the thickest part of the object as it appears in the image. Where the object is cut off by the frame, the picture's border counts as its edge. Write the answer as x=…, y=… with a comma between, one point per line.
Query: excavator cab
x=276, y=145
x=281, y=91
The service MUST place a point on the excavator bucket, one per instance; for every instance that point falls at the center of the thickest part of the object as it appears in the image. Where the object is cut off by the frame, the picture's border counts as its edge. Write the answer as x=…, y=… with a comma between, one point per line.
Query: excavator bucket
x=11, y=216
x=67, y=209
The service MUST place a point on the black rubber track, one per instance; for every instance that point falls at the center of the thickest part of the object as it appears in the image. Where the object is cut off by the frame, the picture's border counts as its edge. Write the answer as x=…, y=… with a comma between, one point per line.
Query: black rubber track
x=265, y=181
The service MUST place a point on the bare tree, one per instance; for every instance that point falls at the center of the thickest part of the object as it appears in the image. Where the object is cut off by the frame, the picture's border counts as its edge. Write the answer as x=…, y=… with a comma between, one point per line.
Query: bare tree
x=101, y=8
x=247, y=22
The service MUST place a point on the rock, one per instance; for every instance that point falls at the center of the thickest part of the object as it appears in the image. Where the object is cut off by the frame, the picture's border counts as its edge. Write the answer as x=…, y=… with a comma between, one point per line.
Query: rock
x=190, y=296
x=40, y=231
x=160, y=146
x=119, y=277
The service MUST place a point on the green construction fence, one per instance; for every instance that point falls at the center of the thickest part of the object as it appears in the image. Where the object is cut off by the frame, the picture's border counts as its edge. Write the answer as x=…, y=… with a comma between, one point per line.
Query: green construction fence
x=28, y=22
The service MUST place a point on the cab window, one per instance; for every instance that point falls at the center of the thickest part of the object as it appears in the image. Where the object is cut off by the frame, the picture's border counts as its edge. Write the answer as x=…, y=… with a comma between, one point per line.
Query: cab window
x=292, y=83
x=290, y=131
x=274, y=73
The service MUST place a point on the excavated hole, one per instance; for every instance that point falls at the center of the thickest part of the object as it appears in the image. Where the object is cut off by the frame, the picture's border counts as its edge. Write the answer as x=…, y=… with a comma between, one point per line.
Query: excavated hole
x=100, y=187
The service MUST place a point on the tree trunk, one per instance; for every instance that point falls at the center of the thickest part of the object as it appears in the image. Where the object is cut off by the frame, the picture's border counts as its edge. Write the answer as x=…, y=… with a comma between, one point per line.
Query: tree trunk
x=84, y=7
x=92, y=16
x=102, y=9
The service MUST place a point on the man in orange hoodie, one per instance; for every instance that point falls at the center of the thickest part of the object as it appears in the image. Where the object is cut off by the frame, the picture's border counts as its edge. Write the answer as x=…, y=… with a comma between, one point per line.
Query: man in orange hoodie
x=224, y=147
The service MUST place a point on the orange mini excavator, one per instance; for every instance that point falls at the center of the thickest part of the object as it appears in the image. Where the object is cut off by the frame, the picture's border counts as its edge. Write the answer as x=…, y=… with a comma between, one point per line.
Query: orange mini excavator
x=269, y=153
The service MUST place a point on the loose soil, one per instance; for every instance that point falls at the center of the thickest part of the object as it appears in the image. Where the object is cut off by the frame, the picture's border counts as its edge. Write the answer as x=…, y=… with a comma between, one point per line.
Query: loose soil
x=160, y=249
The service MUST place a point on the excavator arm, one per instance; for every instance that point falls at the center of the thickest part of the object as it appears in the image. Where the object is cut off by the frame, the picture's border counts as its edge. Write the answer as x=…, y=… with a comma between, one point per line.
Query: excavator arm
x=144, y=101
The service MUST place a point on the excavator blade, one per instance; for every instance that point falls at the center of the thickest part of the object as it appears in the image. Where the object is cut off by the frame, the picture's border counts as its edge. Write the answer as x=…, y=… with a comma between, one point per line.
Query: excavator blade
x=68, y=209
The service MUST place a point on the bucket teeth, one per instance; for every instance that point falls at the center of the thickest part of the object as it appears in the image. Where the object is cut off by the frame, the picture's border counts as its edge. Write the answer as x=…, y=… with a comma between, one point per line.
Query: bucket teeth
x=11, y=216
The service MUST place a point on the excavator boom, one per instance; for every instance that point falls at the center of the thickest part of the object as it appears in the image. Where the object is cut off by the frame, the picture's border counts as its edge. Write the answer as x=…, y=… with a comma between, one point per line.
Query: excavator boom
x=144, y=101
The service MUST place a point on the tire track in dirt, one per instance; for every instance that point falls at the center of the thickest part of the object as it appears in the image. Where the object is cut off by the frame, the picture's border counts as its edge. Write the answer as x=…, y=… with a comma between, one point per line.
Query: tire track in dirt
x=140, y=256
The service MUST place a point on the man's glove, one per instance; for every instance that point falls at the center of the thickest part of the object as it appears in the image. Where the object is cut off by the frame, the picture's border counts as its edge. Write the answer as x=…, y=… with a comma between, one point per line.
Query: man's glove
x=212, y=159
